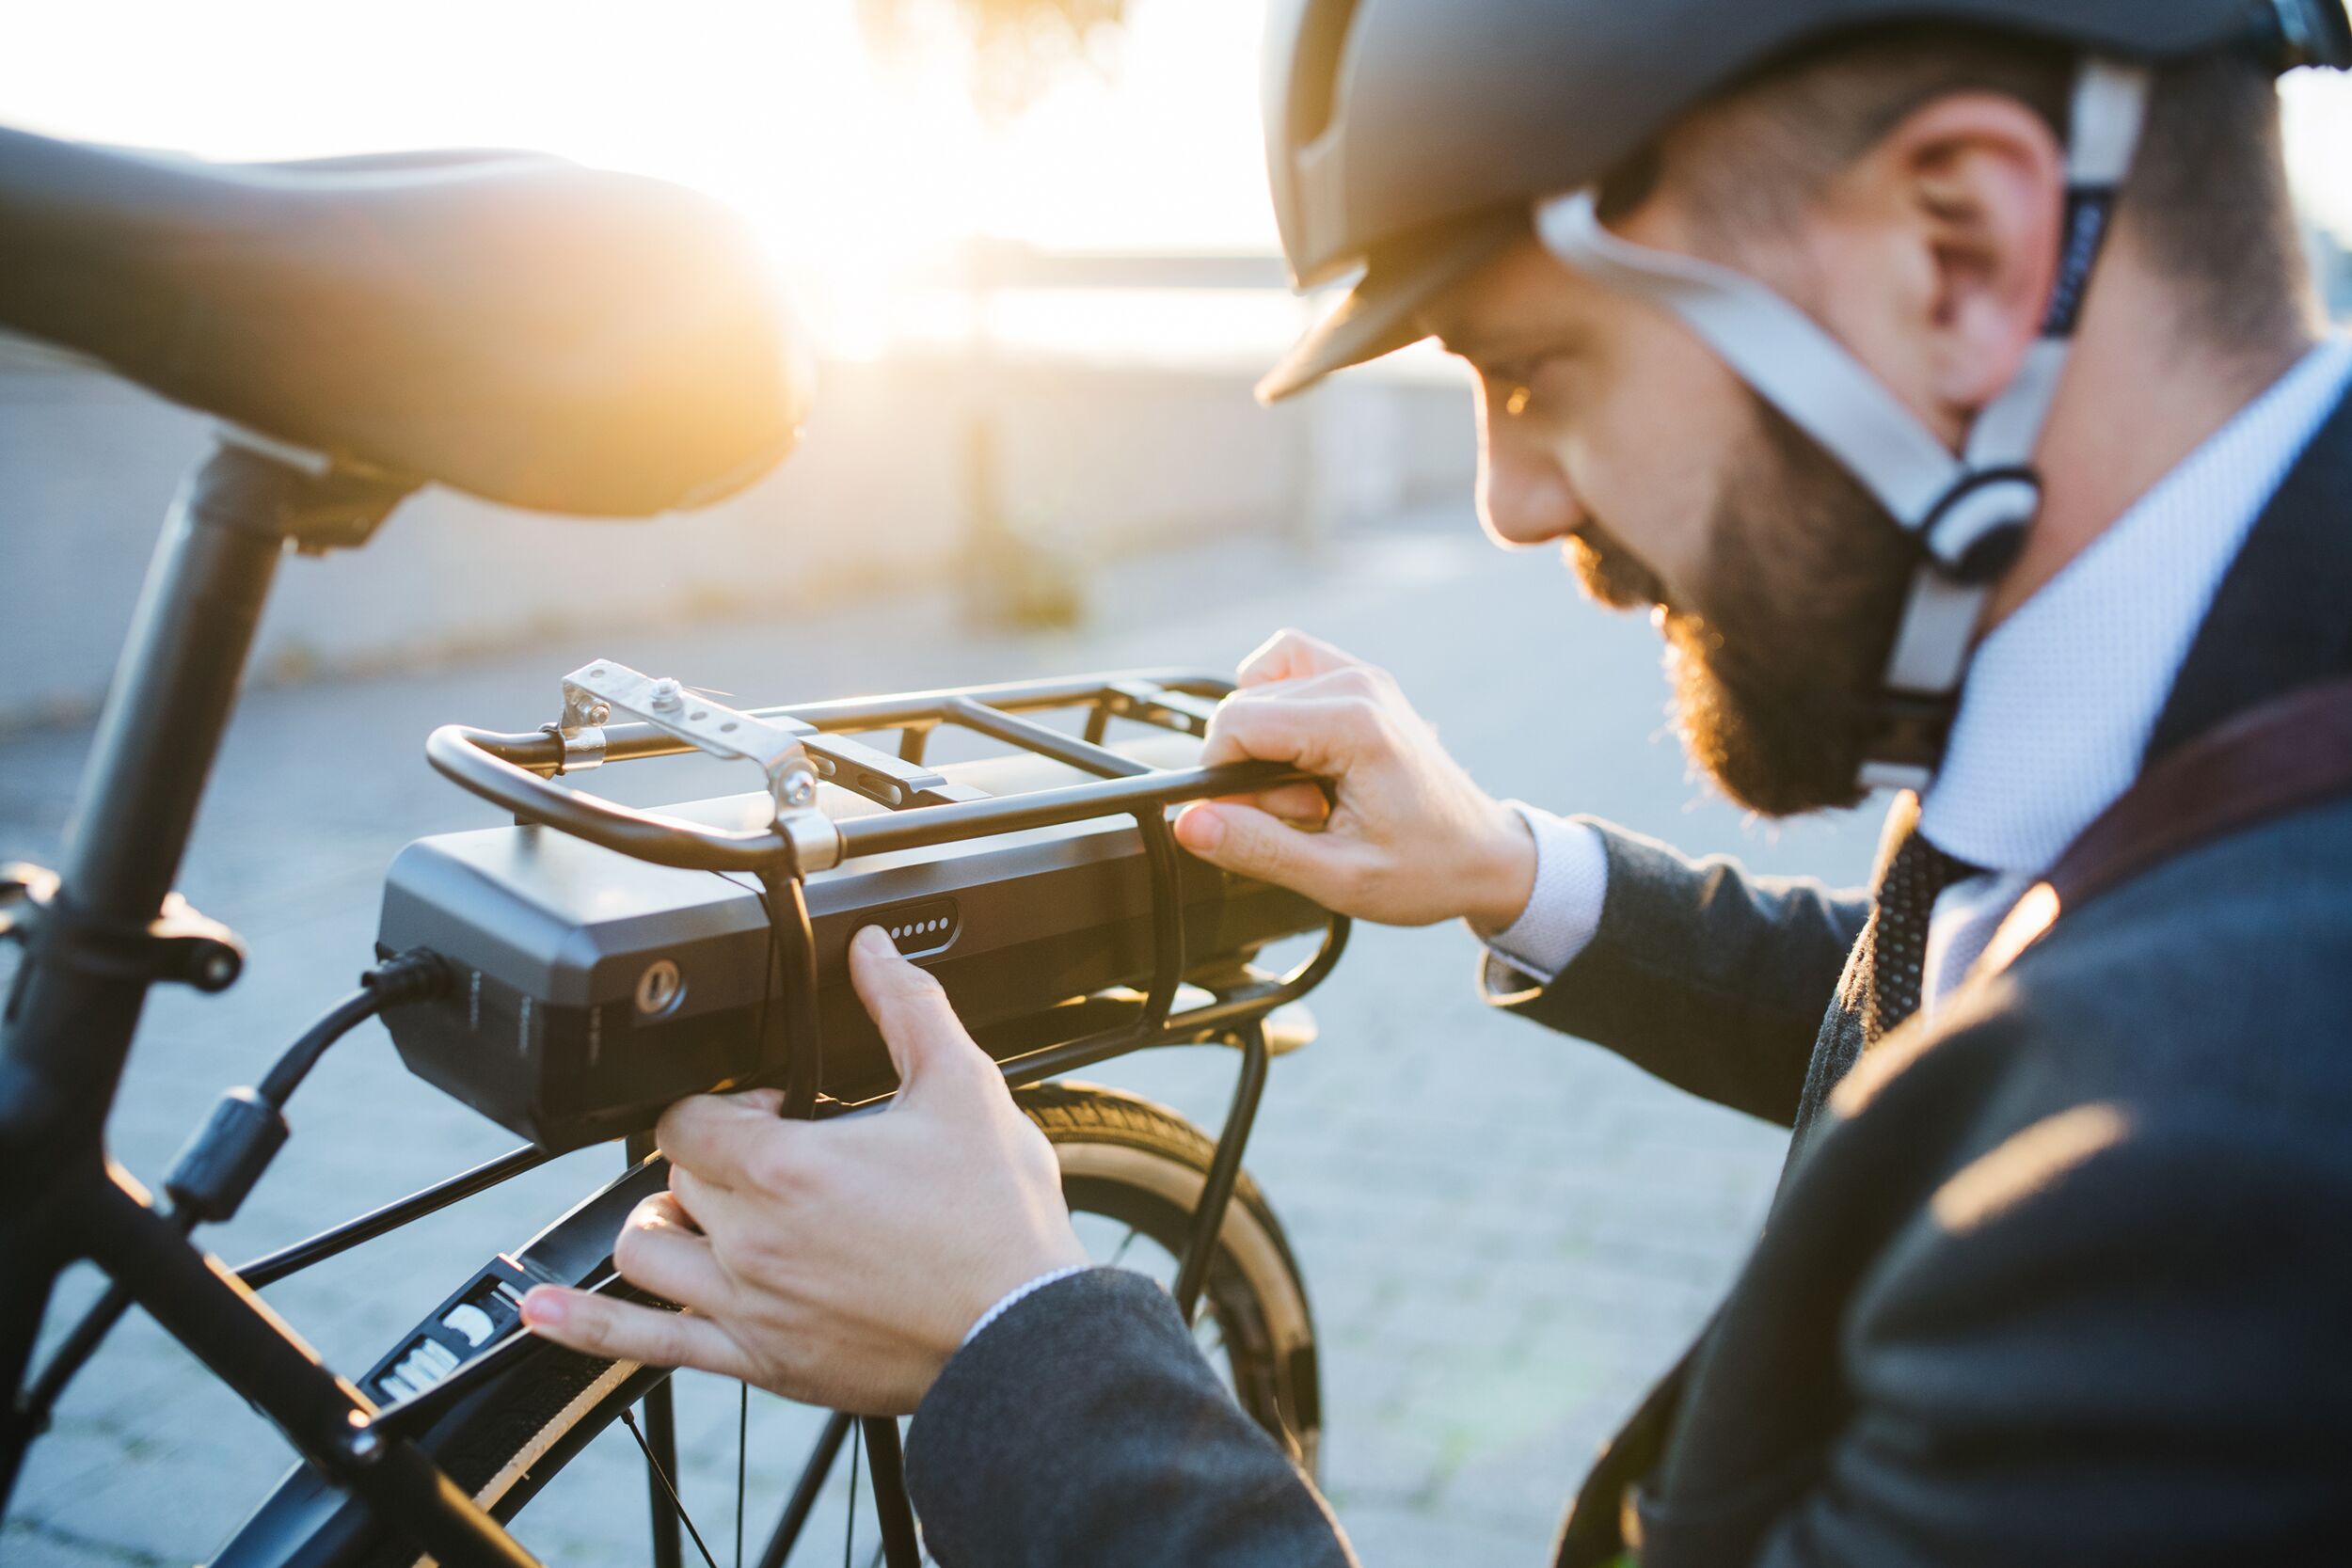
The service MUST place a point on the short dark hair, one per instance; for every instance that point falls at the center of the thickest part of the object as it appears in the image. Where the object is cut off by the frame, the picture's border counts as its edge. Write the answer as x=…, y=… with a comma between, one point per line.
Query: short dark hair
x=2208, y=193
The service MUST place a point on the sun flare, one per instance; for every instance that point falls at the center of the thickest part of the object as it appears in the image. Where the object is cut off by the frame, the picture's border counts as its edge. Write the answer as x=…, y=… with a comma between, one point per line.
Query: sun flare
x=862, y=172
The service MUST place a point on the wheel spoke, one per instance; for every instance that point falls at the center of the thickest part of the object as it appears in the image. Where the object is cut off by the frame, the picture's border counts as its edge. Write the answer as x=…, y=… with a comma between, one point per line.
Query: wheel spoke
x=1125, y=1208
x=849, y=1530
x=1125, y=1243
x=628, y=1420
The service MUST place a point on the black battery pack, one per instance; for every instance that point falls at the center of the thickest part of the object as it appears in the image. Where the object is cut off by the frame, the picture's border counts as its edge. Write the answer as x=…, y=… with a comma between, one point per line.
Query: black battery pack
x=592, y=989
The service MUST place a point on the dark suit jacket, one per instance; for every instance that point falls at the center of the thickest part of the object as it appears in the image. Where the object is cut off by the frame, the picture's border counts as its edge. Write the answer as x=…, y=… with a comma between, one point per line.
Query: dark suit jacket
x=2063, y=1276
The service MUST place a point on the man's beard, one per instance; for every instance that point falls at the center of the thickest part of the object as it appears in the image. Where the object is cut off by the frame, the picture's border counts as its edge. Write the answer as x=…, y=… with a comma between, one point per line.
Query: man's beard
x=1778, y=653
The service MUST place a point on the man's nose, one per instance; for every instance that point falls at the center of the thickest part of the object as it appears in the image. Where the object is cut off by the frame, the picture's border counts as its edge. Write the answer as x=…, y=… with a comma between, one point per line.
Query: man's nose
x=1524, y=498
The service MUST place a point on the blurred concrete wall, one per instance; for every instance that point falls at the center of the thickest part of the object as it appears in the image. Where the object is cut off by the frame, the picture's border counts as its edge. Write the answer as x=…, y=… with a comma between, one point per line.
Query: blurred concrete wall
x=1108, y=460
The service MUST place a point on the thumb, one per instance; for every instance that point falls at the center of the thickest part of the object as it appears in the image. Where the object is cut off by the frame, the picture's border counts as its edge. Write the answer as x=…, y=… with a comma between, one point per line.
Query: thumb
x=1253, y=842
x=925, y=1038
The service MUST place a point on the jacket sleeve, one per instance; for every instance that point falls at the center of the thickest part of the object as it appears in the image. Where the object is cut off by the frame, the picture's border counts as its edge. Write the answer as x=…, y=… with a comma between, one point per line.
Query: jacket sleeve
x=2112, y=1338
x=1711, y=979
x=1083, y=1428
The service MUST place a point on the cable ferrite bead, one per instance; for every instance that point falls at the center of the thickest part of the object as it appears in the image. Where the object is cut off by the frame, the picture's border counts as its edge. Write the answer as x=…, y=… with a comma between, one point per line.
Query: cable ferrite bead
x=214, y=1174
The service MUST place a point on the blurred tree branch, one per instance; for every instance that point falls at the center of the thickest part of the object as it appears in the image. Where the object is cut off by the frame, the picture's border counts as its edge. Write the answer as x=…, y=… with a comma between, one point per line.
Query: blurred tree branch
x=1018, y=47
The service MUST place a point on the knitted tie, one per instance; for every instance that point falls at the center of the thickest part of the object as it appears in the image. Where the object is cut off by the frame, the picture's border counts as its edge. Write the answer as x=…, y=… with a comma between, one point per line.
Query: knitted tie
x=1915, y=874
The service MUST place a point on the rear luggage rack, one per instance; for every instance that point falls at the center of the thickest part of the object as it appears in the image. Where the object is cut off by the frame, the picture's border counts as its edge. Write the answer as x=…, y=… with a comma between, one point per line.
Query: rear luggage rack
x=858, y=834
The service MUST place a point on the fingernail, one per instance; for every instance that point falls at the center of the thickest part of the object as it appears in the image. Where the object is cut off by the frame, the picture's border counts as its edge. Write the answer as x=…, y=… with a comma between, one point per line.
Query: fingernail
x=1201, y=827
x=543, y=1305
x=876, y=941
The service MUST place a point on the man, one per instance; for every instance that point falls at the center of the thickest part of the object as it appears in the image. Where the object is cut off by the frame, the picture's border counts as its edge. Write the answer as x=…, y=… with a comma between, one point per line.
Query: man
x=1785, y=324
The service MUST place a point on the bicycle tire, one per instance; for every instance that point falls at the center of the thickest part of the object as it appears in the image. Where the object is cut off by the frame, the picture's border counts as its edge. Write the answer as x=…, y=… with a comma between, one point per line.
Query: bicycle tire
x=1123, y=1157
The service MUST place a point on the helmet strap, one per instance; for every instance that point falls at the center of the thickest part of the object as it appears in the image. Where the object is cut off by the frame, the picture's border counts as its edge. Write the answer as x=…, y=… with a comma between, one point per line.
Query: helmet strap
x=1970, y=512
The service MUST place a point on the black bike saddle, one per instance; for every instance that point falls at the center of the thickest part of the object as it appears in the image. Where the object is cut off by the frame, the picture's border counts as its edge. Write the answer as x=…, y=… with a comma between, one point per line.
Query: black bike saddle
x=513, y=325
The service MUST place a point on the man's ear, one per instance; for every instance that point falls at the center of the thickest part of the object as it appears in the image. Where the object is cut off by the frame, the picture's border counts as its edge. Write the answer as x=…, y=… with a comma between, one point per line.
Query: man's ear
x=1949, y=229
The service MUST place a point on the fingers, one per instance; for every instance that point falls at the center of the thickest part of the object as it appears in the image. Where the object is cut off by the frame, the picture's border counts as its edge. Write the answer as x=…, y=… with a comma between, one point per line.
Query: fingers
x=926, y=1038
x=1304, y=805
x=1288, y=655
x=625, y=1331
x=727, y=1216
x=734, y=1140
x=1323, y=726
x=660, y=1251
x=1245, y=840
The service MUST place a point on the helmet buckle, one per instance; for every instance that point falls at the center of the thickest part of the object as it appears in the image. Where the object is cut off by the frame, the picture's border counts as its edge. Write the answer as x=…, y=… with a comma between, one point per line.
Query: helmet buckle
x=1975, y=533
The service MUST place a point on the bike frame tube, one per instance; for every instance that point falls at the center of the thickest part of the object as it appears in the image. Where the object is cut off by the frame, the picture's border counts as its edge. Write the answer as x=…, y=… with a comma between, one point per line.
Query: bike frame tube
x=68, y=1029
x=226, y=1326
x=1217, y=1190
x=69, y=1022
x=805, y=1491
x=272, y=1267
x=892, y=1511
x=68, y=1025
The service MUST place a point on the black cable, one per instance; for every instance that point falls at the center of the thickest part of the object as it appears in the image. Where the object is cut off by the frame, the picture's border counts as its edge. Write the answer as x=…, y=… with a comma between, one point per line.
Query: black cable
x=278, y=1085
x=211, y=1176
x=415, y=975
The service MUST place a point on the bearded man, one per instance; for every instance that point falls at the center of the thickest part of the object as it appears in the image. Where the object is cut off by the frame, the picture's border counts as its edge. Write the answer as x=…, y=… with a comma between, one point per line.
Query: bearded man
x=1944, y=378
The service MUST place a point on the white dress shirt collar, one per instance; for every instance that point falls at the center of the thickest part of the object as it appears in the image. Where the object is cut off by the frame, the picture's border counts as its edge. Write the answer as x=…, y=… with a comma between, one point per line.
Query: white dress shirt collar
x=2063, y=695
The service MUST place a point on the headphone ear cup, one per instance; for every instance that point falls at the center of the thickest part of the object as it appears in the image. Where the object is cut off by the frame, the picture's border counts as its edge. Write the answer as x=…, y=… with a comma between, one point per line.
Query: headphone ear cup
x=2306, y=32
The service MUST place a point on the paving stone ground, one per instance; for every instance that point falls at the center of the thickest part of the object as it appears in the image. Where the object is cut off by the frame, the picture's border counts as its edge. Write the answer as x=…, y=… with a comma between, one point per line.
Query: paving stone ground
x=1507, y=1232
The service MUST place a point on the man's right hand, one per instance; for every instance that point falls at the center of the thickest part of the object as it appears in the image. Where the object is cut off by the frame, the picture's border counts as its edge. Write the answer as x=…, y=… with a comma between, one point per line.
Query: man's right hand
x=1406, y=839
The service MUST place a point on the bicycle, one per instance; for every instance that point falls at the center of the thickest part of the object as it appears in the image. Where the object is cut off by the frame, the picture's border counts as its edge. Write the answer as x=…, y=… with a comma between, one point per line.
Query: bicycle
x=570, y=975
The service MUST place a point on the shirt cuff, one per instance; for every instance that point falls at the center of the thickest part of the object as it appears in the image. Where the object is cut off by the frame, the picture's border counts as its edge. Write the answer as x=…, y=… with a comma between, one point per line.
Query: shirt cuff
x=1020, y=1293
x=1563, y=912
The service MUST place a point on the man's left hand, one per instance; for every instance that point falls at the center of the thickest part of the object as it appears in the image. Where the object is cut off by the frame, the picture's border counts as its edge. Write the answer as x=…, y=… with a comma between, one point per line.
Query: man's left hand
x=838, y=1263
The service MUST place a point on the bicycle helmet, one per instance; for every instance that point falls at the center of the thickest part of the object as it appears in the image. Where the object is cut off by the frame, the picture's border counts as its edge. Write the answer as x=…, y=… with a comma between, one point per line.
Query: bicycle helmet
x=1409, y=141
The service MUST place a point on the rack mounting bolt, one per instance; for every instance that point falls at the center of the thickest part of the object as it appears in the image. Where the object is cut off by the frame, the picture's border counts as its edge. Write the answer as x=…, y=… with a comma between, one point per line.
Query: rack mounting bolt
x=799, y=788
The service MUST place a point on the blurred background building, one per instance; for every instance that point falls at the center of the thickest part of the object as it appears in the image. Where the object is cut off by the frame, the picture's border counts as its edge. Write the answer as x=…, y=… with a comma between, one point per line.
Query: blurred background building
x=1029, y=237
x=1014, y=475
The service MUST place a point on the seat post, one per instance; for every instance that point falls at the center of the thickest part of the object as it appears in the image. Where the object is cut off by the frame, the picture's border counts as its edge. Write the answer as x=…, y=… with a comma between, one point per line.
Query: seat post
x=68, y=1027
x=96, y=939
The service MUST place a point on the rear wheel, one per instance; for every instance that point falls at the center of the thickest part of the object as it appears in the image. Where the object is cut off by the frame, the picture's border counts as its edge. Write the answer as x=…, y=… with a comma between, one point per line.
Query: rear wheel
x=1133, y=1173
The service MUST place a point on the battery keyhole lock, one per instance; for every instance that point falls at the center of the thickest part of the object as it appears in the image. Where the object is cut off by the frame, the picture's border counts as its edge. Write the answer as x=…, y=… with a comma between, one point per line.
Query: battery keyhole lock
x=659, y=988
